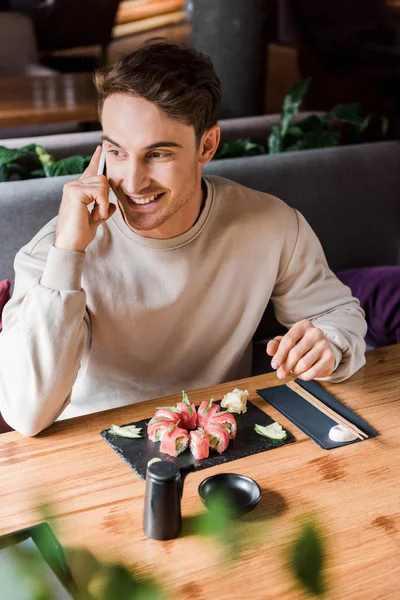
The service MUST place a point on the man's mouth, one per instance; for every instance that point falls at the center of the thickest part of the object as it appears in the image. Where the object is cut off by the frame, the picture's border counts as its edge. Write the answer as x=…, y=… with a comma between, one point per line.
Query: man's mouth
x=142, y=201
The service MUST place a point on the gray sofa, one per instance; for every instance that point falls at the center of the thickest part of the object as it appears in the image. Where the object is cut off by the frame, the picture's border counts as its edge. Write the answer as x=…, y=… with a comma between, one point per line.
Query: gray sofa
x=350, y=195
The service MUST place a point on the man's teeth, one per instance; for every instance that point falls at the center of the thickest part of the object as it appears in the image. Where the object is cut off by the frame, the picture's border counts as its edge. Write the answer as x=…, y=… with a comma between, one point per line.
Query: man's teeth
x=146, y=200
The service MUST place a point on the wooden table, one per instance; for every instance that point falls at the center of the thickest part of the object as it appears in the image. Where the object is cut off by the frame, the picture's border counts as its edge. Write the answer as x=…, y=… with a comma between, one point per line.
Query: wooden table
x=47, y=99
x=354, y=491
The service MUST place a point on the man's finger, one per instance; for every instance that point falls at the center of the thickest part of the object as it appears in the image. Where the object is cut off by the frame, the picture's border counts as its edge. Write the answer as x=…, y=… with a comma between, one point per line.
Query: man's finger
x=322, y=368
x=273, y=345
x=93, y=166
x=287, y=342
x=296, y=354
x=308, y=360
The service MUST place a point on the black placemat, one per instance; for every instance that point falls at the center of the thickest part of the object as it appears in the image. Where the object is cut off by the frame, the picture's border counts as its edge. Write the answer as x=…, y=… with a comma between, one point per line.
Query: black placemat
x=137, y=453
x=308, y=418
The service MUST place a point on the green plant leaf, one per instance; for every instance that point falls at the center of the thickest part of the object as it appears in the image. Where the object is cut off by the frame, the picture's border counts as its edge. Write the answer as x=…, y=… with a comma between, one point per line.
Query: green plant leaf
x=275, y=144
x=118, y=582
x=311, y=123
x=315, y=139
x=44, y=157
x=73, y=165
x=239, y=147
x=3, y=173
x=348, y=113
x=307, y=559
x=384, y=125
x=8, y=155
x=292, y=103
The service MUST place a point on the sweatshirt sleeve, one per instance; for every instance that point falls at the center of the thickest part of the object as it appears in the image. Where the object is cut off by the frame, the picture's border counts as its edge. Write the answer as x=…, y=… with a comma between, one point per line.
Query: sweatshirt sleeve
x=307, y=289
x=45, y=332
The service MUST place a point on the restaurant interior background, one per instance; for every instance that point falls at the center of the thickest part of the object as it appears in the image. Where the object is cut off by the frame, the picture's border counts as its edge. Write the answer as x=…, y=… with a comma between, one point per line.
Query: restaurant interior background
x=351, y=50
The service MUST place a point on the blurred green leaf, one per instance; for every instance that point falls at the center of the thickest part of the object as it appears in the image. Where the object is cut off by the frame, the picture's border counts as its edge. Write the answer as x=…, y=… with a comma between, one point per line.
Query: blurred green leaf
x=239, y=147
x=292, y=103
x=348, y=113
x=307, y=559
x=275, y=144
x=220, y=522
x=384, y=125
x=315, y=139
x=310, y=123
x=118, y=582
x=73, y=165
x=44, y=157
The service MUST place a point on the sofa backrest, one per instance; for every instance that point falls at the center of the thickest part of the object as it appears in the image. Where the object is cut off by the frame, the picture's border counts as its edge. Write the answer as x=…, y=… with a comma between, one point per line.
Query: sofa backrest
x=349, y=194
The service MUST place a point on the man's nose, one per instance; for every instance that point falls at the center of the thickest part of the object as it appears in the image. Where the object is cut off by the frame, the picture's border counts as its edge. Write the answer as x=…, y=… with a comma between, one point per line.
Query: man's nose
x=136, y=178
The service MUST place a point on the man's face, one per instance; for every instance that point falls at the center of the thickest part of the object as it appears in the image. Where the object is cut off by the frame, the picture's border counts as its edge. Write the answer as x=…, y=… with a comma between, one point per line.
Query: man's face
x=152, y=165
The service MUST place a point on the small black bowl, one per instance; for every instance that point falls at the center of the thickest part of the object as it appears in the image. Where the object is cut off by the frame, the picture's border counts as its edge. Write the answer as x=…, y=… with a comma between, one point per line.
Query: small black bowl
x=242, y=492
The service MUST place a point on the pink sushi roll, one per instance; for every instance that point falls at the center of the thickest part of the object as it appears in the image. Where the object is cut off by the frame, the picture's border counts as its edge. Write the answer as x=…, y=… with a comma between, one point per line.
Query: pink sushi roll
x=199, y=444
x=205, y=412
x=218, y=437
x=188, y=413
x=157, y=427
x=174, y=441
x=168, y=412
x=226, y=419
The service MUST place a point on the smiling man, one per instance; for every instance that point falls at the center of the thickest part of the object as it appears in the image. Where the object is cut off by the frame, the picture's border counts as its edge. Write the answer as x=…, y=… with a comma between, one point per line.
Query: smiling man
x=153, y=278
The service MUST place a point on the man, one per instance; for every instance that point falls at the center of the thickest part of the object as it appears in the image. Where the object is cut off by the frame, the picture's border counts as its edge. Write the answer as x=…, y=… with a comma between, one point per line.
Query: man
x=154, y=279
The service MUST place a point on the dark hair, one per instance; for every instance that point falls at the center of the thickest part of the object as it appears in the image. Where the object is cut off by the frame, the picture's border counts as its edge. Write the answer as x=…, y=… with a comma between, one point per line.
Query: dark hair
x=181, y=81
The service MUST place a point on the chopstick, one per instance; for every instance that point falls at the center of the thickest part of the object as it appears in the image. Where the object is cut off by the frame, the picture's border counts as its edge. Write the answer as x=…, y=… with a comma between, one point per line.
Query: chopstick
x=329, y=412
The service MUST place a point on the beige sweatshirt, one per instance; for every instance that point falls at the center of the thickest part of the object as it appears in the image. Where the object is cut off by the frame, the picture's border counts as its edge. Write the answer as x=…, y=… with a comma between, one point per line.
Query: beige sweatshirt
x=134, y=318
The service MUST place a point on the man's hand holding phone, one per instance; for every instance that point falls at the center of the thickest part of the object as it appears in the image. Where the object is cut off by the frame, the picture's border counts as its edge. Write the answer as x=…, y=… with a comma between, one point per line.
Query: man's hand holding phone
x=76, y=225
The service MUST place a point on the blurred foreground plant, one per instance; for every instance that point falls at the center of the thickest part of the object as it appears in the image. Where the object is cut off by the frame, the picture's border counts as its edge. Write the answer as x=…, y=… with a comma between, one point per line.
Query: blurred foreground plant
x=87, y=578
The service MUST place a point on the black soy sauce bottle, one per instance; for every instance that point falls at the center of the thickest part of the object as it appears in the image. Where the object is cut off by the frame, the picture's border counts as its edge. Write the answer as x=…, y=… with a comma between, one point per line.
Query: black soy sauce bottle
x=162, y=519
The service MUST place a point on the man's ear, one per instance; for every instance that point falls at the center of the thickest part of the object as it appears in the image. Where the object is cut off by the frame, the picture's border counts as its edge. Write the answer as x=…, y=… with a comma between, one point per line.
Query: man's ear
x=209, y=144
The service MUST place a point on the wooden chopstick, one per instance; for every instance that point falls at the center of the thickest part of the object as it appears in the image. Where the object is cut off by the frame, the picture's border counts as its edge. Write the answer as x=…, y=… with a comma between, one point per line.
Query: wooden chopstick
x=329, y=412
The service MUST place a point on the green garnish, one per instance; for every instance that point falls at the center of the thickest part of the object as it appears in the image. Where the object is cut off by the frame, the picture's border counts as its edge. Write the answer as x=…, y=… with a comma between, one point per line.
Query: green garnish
x=274, y=431
x=202, y=432
x=209, y=405
x=172, y=428
x=186, y=400
x=157, y=419
x=171, y=408
x=218, y=414
x=129, y=431
x=153, y=460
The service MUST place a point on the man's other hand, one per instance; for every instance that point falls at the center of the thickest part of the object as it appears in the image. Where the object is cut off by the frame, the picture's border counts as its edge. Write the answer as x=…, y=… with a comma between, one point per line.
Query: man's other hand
x=303, y=351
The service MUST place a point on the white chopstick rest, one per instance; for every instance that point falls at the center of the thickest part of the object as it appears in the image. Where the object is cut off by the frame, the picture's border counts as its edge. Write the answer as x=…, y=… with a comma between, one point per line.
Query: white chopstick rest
x=338, y=433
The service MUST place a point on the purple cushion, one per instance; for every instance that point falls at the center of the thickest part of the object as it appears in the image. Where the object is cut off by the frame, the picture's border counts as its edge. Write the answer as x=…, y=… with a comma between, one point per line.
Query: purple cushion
x=4, y=295
x=378, y=290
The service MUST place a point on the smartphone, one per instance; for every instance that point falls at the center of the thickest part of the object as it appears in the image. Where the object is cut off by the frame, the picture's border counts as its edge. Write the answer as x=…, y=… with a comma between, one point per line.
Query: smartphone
x=102, y=164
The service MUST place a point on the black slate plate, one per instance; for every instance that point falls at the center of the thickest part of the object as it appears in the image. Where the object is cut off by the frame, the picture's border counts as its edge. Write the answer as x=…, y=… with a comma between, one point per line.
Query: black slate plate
x=137, y=453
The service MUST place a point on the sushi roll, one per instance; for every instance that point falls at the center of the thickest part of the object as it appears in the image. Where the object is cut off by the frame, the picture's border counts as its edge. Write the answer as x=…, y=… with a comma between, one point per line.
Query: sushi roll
x=168, y=412
x=188, y=413
x=226, y=419
x=205, y=412
x=174, y=441
x=157, y=427
x=218, y=436
x=199, y=443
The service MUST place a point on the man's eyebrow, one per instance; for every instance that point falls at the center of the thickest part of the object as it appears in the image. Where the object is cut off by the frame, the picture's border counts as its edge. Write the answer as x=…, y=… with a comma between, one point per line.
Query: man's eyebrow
x=108, y=139
x=163, y=144
x=160, y=144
